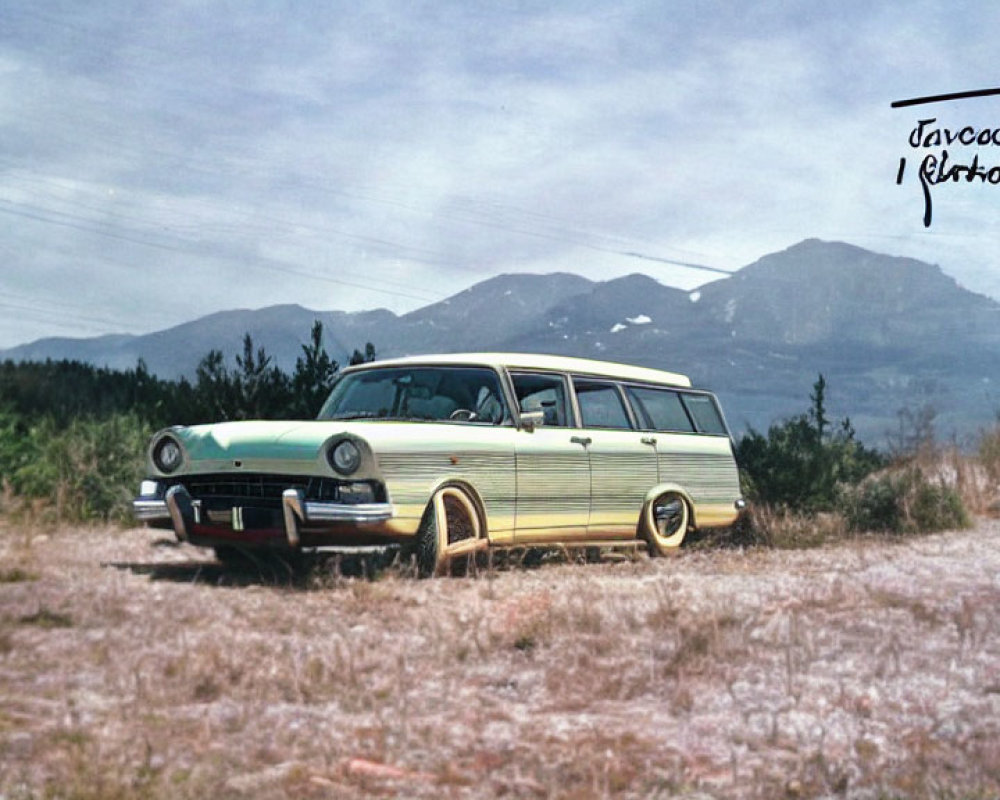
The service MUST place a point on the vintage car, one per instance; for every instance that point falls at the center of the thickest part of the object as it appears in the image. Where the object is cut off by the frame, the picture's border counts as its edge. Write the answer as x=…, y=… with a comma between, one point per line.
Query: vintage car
x=451, y=455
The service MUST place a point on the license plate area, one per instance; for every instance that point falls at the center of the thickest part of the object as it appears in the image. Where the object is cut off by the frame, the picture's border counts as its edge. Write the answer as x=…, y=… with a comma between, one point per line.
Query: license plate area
x=242, y=518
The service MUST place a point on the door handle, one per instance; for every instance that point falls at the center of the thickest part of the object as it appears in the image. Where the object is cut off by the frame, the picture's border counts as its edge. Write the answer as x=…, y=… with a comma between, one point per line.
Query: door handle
x=650, y=440
x=584, y=440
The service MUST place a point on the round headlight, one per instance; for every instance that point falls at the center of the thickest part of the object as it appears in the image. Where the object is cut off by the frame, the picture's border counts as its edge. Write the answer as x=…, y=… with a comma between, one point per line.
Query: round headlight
x=167, y=454
x=344, y=457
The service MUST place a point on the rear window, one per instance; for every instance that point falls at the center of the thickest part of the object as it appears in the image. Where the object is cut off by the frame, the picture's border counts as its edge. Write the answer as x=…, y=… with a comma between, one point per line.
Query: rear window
x=660, y=410
x=705, y=414
x=600, y=405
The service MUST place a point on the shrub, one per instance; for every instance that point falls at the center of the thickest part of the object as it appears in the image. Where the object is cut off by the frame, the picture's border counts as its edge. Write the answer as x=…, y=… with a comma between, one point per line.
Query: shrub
x=87, y=470
x=903, y=501
x=15, y=447
x=790, y=530
x=73, y=436
x=989, y=453
x=801, y=463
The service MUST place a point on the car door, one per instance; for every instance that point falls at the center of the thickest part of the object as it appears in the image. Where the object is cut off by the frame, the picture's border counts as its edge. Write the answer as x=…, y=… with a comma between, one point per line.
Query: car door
x=552, y=463
x=661, y=410
x=693, y=447
x=623, y=461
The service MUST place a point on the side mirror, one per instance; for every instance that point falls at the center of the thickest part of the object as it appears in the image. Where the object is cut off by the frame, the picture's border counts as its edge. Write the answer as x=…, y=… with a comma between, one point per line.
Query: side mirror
x=532, y=419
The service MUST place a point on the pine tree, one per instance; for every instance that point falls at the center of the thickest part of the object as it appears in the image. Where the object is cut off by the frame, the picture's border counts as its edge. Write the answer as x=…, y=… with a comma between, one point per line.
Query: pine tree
x=313, y=376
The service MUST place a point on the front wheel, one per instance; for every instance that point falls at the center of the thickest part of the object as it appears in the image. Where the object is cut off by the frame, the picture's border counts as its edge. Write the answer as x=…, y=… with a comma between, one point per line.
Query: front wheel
x=450, y=529
x=665, y=523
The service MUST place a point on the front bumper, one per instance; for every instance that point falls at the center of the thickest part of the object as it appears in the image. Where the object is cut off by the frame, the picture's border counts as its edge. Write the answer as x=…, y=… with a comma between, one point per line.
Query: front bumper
x=184, y=514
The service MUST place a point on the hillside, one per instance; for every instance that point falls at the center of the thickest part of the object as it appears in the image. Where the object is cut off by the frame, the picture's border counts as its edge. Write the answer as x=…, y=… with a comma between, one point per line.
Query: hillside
x=888, y=333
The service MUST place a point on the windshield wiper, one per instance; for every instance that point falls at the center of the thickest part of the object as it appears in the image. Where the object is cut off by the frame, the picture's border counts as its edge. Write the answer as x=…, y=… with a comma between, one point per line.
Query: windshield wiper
x=386, y=417
x=357, y=415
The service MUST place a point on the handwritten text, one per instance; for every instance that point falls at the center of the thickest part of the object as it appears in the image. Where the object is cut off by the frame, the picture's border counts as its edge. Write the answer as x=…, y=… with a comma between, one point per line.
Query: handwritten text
x=942, y=167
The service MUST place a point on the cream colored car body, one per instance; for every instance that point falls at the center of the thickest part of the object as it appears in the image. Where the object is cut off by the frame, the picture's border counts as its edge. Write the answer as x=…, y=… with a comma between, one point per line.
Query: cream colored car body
x=520, y=481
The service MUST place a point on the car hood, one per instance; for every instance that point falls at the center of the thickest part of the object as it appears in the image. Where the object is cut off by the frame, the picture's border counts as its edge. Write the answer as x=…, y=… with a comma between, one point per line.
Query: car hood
x=297, y=446
x=257, y=439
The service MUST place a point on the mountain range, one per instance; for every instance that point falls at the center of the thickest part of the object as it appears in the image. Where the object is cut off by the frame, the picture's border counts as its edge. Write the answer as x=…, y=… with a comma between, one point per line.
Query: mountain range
x=889, y=334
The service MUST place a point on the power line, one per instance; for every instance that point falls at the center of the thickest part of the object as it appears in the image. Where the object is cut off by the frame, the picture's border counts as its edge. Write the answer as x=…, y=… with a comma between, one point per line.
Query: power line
x=688, y=264
x=54, y=316
x=78, y=222
x=397, y=249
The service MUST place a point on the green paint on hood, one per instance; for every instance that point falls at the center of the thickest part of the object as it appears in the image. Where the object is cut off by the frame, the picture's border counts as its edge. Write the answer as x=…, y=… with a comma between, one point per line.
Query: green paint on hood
x=258, y=439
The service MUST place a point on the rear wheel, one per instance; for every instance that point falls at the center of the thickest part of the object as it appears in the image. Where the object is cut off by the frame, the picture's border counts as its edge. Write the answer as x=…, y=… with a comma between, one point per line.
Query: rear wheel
x=665, y=523
x=450, y=532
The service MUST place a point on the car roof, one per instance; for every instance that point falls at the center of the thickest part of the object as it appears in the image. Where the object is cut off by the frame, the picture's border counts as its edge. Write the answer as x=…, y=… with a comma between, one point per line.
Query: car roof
x=538, y=361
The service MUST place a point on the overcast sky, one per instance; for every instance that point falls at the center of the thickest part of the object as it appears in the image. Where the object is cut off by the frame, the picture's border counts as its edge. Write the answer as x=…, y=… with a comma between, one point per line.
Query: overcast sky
x=164, y=160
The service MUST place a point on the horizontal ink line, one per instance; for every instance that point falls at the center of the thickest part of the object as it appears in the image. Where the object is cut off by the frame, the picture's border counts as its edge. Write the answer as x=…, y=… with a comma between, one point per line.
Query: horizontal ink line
x=940, y=98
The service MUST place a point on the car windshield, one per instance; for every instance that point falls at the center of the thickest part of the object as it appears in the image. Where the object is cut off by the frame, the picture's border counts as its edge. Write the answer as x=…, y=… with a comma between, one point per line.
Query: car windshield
x=460, y=394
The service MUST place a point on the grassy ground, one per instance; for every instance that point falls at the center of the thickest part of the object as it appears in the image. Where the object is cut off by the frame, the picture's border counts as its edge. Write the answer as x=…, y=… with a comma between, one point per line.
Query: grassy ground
x=131, y=668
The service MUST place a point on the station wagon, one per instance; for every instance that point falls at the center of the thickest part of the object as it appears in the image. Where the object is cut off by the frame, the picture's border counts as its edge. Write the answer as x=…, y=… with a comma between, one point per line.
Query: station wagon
x=446, y=456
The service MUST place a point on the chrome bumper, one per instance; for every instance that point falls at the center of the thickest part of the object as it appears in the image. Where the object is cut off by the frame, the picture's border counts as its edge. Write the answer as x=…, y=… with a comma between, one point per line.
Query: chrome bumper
x=183, y=512
x=298, y=510
x=146, y=510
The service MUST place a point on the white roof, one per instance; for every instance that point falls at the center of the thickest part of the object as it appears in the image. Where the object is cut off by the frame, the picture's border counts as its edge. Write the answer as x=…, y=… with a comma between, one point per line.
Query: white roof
x=578, y=366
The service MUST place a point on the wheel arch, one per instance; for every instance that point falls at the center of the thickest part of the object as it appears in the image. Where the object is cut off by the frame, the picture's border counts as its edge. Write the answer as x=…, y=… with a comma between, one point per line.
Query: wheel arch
x=662, y=488
x=466, y=486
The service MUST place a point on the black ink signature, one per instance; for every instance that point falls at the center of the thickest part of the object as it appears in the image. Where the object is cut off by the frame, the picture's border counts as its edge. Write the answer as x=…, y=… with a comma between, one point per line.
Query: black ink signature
x=937, y=168
x=934, y=170
x=940, y=98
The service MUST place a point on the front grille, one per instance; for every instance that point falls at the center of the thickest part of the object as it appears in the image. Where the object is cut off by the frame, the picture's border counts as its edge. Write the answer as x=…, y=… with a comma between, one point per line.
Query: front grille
x=261, y=490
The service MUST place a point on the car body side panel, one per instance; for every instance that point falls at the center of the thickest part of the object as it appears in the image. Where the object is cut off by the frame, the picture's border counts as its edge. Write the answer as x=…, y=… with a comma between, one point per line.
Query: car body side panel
x=553, y=485
x=623, y=468
x=705, y=467
x=414, y=459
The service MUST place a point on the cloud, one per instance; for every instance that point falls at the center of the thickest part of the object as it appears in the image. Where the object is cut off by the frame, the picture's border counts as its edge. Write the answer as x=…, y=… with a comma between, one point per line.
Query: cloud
x=170, y=159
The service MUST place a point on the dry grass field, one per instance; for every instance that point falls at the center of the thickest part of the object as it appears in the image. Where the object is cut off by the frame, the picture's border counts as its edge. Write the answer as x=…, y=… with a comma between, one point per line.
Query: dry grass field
x=132, y=668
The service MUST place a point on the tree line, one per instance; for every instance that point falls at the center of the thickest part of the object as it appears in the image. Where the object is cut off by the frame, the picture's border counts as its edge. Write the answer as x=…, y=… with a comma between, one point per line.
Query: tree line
x=253, y=388
x=73, y=436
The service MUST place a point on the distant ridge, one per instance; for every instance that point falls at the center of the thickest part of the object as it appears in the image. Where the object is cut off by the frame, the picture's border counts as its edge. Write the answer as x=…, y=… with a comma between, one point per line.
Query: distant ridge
x=887, y=333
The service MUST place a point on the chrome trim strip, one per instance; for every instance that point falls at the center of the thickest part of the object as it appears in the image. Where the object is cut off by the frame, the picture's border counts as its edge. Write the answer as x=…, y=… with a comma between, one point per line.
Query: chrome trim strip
x=340, y=512
x=149, y=510
x=354, y=549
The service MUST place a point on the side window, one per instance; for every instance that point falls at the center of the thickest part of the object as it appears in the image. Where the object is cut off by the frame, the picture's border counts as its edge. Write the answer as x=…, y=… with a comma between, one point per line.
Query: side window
x=705, y=414
x=660, y=409
x=546, y=393
x=601, y=405
x=475, y=393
